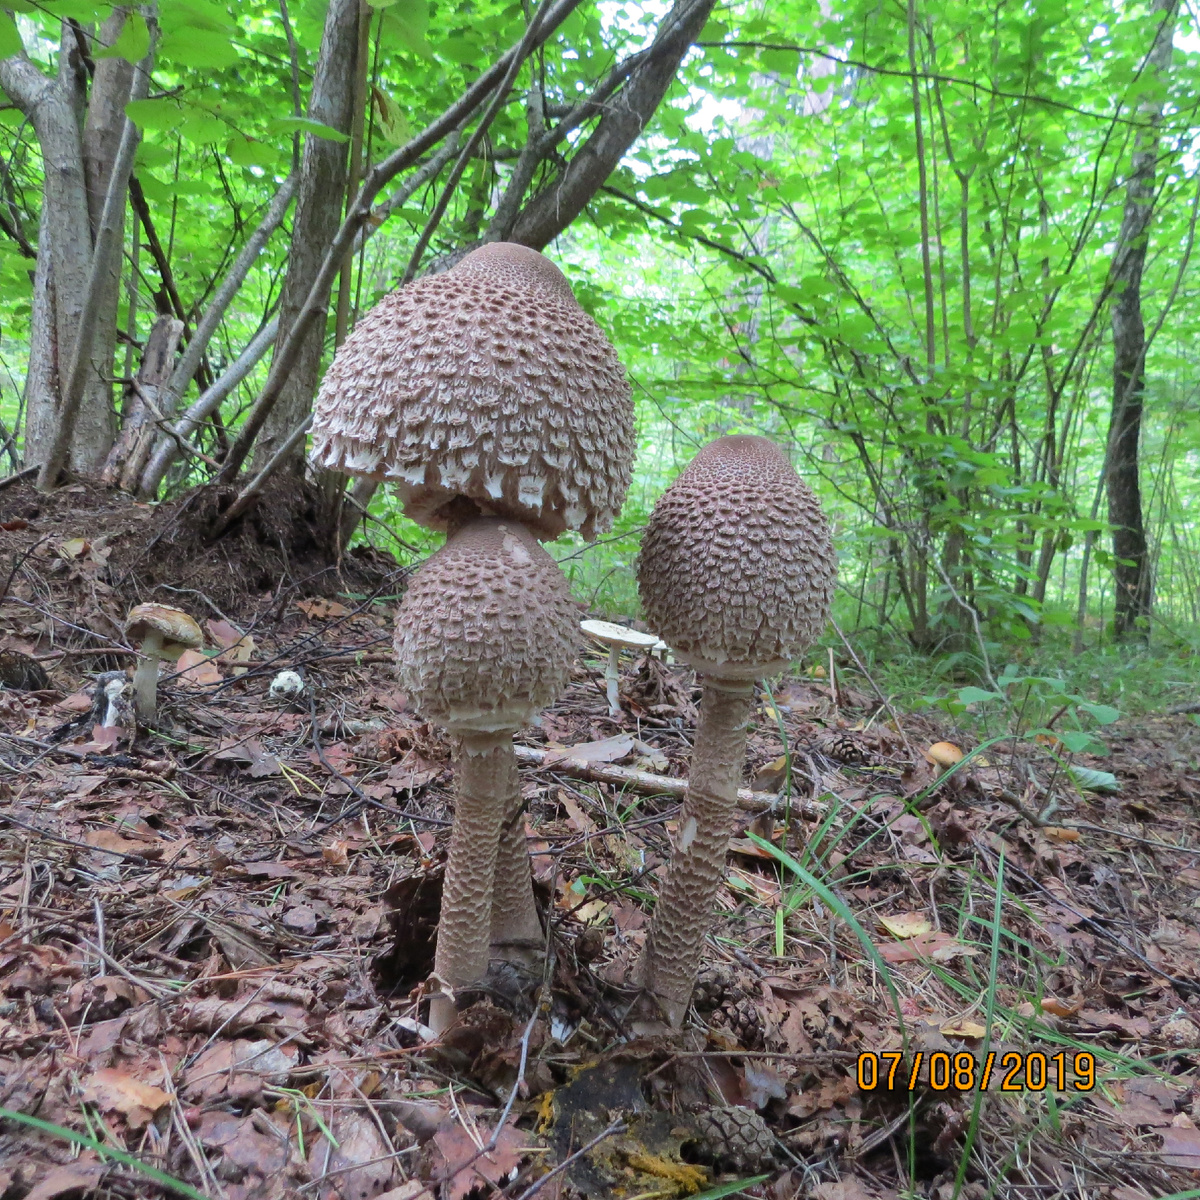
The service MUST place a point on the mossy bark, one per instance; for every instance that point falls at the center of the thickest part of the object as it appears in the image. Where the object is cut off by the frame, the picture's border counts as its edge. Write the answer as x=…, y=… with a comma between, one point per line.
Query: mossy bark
x=684, y=912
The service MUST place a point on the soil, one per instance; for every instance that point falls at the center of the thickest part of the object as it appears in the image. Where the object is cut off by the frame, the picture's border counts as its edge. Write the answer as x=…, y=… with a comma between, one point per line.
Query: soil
x=214, y=938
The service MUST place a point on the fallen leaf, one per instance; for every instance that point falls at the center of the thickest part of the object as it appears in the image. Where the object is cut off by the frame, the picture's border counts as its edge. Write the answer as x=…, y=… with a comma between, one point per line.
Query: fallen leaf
x=964, y=1028
x=763, y=1084
x=906, y=925
x=456, y=1146
x=77, y=1179
x=196, y=670
x=111, y=1090
x=337, y=852
x=1181, y=1144
x=940, y=947
x=361, y=1164
x=609, y=750
x=322, y=609
x=1134, y=1028
x=76, y=702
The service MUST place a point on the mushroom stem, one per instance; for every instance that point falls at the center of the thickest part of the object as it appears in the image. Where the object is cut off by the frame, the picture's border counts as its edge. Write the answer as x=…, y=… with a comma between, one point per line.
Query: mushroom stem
x=483, y=763
x=683, y=914
x=145, y=678
x=612, y=678
x=516, y=930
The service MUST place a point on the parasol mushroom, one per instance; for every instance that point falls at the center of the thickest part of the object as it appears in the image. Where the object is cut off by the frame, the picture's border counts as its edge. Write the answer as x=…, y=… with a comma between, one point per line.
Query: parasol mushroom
x=164, y=633
x=736, y=572
x=485, y=389
x=616, y=638
x=485, y=638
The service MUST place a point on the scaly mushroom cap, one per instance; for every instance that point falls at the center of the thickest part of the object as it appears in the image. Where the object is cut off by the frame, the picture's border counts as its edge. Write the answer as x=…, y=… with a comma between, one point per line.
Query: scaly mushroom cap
x=487, y=381
x=179, y=631
x=737, y=567
x=486, y=632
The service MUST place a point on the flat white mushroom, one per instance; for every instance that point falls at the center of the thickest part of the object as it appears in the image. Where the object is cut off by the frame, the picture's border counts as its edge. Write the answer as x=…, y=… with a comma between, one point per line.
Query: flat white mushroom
x=616, y=638
x=164, y=633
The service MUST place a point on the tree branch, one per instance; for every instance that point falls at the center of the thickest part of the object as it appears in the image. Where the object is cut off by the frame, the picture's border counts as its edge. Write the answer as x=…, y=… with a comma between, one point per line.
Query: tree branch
x=375, y=179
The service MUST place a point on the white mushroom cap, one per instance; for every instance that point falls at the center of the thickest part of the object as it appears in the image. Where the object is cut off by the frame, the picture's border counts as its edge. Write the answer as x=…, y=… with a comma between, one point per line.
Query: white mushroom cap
x=617, y=635
x=490, y=382
x=486, y=632
x=737, y=567
x=179, y=631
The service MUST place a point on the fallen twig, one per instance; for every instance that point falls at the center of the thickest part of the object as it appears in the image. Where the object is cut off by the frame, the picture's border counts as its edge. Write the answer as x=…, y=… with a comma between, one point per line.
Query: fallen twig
x=649, y=783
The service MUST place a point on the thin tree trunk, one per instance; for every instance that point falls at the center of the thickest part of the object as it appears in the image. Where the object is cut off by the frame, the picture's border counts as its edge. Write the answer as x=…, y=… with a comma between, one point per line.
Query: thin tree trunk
x=1132, y=597
x=318, y=216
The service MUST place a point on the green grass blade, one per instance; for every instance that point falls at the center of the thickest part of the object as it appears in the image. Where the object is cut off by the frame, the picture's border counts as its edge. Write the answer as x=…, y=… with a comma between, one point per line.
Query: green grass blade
x=121, y=1156
x=727, y=1189
x=834, y=903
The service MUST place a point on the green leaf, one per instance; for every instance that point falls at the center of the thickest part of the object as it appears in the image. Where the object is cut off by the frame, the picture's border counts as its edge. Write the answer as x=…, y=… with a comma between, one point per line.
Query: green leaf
x=250, y=152
x=133, y=43
x=308, y=125
x=1104, y=713
x=153, y=114
x=1078, y=741
x=974, y=695
x=727, y=1189
x=1095, y=781
x=393, y=124
x=10, y=39
x=199, y=48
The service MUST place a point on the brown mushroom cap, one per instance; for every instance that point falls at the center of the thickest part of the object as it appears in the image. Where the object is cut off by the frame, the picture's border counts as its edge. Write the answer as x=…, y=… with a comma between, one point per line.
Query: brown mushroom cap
x=486, y=633
x=179, y=631
x=487, y=381
x=737, y=567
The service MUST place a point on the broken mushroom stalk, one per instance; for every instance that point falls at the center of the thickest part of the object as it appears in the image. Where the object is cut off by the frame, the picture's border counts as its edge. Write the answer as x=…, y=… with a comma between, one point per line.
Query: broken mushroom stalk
x=736, y=572
x=163, y=633
x=616, y=638
x=485, y=638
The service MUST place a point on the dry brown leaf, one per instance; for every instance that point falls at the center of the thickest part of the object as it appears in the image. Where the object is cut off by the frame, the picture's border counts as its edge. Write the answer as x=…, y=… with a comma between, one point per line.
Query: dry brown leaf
x=940, y=947
x=456, y=1146
x=906, y=925
x=964, y=1028
x=111, y=1090
x=196, y=670
x=1181, y=1144
x=322, y=609
x=77, y=1179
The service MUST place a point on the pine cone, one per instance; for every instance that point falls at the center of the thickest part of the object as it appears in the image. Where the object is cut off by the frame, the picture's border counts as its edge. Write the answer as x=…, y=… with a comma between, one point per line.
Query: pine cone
x=743, y=1019
x=738, y=1139
x=839, y=745
x=712, y=985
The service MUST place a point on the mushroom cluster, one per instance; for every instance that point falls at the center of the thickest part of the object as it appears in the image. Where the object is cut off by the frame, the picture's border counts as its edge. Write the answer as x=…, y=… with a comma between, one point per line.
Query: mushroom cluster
x=736, y=572
x=501, y=413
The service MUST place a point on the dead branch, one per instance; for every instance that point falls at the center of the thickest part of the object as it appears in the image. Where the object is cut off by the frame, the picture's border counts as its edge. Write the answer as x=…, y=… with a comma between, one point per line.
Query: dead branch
x=650, y=784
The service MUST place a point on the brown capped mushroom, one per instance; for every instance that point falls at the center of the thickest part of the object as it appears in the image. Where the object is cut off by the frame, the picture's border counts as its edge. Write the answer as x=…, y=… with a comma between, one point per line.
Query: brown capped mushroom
x=487, y=382
x=736, y=573
x=164, y=633
x=485, y=638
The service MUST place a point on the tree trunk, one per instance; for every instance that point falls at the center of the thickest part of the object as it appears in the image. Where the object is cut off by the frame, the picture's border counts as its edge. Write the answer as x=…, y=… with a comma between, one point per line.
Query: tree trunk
x=1132, y=597
x=318, y=217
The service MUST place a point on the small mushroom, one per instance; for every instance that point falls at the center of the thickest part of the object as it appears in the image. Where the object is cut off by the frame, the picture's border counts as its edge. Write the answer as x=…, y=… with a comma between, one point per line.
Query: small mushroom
x=164, y=633
x=616, y=638
x=944, y=755
x=736, y=572
x=484, y=389
x=485, y=638
x=287, y=685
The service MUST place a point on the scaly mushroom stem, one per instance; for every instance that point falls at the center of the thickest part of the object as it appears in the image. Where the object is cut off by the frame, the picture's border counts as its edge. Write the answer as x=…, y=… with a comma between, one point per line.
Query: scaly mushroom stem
x=683, y=914
x=516, y=931
x=145, y=678
x=482, y=766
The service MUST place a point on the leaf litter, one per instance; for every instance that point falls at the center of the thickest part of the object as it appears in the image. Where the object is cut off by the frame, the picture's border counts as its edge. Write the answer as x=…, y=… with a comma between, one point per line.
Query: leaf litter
x=213, y=940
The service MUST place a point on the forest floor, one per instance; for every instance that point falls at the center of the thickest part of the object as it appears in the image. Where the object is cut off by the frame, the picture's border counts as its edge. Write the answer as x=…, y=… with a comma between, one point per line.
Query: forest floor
x=212, y=938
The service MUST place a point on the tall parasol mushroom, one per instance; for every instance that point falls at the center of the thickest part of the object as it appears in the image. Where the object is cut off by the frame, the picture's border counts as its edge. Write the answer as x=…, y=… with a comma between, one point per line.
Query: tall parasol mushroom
x=736, y=573
x=485, y=637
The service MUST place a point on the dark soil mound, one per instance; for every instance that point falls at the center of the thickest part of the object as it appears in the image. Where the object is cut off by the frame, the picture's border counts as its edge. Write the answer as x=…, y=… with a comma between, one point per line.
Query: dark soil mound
x=118, y=552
